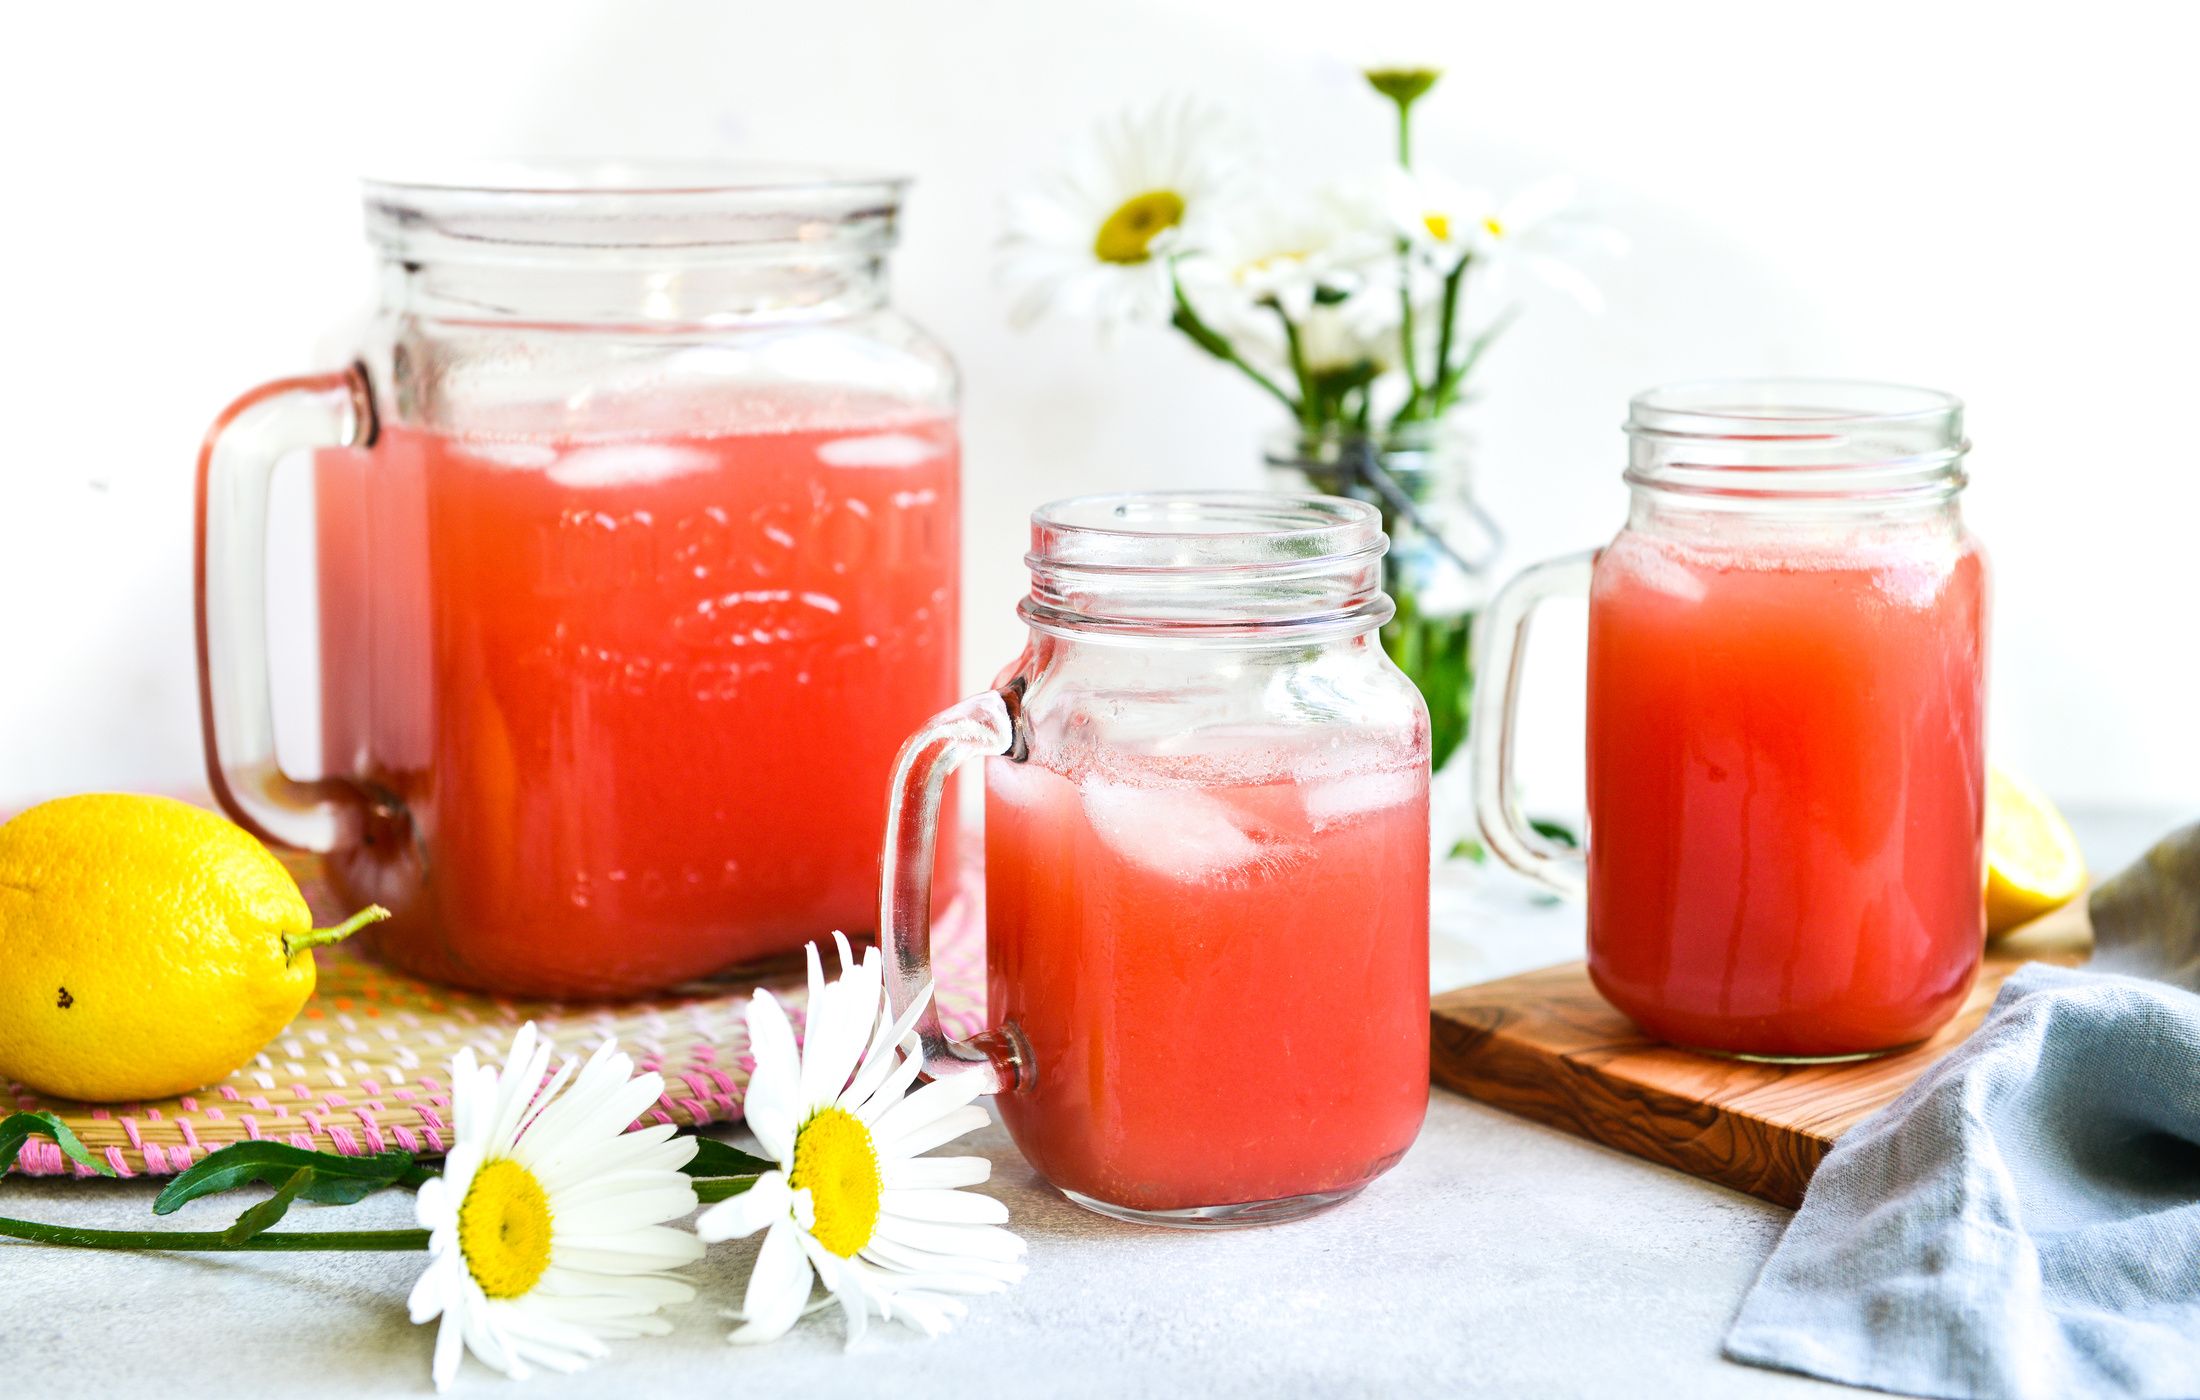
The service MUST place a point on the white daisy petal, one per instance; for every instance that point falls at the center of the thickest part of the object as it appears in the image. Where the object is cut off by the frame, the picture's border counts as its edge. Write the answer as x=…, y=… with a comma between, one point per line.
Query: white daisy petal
x=450, y=1341
x=738, y=1217
x=947, y=1207
x=919, y=1173
x=893, y=1087
x=432, y=1204
x=515, y=1092
x=931, y=1313
x=944, y=1129
x=772, y=1105
x=928, y=1105
x=642, y=1251
x=772, y=1116
x=779, y=1287
x=425, y=1302
x=841, y=1281
x=877, y=1060
x=982, y=1241
x=981, y=1275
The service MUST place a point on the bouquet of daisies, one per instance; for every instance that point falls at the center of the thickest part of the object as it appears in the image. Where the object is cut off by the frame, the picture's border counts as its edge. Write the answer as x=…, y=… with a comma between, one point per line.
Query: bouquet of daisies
x=1362, y=305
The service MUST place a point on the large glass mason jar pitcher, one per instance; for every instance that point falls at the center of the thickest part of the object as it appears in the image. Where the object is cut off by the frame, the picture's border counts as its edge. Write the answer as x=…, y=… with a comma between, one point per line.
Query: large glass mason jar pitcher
x=1206, y=861
x=1786, y=748
x=637, y=558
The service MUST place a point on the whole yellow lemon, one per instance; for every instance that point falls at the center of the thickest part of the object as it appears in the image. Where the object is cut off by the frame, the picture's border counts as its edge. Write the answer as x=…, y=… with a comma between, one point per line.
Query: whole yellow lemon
x=147, y=947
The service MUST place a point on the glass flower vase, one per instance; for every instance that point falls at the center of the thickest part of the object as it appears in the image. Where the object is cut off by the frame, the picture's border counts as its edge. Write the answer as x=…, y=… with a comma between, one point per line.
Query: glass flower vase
x=1442, y=543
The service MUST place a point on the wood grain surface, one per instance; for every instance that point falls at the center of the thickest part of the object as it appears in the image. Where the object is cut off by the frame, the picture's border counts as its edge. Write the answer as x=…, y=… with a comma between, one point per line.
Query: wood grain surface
x=1546, y=1046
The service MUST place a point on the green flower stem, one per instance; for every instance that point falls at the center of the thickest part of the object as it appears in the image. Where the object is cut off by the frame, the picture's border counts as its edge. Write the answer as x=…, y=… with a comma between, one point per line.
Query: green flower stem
x=1446, y=385
x=1309, y=418
x=1473, y=357
x=296, y=943
x=719, y=1188
x=1404, y=87
x=1405, y=330
x=291, y=1241
x=1216, y=344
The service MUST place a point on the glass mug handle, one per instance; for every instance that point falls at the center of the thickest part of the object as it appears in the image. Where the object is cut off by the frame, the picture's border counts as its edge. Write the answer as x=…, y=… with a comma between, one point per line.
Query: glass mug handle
x=236, y=699
x=985, y=725
x=1496, y=713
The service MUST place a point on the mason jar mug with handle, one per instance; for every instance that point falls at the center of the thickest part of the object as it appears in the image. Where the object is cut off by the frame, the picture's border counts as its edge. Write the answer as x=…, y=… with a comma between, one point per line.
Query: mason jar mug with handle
x=1786, y=722
x=1206, y=861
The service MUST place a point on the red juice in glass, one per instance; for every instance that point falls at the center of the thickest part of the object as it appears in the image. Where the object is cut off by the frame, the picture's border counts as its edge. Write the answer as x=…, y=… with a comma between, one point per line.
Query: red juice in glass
x=1786, y=722
x=1785, y=750
x=1221, y=969
x=635, y=697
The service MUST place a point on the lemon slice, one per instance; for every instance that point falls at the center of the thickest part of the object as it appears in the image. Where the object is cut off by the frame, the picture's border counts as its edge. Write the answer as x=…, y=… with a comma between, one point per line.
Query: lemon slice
x=2033, y=863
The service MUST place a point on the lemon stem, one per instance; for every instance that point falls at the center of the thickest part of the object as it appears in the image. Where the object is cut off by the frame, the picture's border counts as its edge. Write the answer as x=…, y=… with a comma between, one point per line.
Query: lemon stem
x=296, y=943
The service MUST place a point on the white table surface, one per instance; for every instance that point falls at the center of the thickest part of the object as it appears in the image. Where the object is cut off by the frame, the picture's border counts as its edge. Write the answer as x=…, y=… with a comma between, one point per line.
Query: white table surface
x=1499, y=1258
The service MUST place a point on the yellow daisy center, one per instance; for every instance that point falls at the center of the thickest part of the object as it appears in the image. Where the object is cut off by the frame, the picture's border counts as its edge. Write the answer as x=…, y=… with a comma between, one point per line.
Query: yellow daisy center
x=1128, y=234
x=837, y=1163
x=1439, y=225
x=1495, y=226
x=504, y=1229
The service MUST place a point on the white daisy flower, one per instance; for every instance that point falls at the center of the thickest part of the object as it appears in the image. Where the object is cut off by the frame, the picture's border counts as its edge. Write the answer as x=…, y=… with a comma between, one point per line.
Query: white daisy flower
x=546, y=1236
x=1096, y=240
x=1537, y=230
x=1320, y=262
x=1291, y=252
x=853, y=1202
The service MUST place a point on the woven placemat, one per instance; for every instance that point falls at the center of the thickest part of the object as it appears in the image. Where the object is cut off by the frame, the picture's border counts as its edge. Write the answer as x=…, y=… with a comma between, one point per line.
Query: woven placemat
x=364, y=1067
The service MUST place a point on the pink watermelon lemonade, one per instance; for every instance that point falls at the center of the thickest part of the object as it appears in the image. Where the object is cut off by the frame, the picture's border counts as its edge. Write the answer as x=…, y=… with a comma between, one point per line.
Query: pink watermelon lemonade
x=1787, y=787
x=1221, y=970
x=632, y=701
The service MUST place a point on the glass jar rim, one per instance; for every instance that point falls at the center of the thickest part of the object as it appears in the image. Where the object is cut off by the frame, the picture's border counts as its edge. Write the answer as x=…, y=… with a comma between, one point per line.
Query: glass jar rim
x=1203, y=531
x=506, y=208
x=1236, y=566
x=1787, y=407
x=1797, y=439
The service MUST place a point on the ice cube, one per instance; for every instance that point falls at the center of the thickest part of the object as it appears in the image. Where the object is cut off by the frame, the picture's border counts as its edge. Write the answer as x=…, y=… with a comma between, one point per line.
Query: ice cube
x=1665, y=574
x=508, y=454
x=628, y=463
x=1178, y=832
x=1019, y=785
x=878, y=450
x=1339, y=800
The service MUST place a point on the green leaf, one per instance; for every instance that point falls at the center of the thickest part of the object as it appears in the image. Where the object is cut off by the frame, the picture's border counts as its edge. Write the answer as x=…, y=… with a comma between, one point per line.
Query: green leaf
x=267, y=1212
x=328, y=1178
x=714, y=1158
x=1556, y=831
x=19, y=1128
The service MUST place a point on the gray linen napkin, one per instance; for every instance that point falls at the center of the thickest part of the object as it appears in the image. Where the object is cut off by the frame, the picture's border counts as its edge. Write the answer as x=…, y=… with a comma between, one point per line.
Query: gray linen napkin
x=2025, y=1220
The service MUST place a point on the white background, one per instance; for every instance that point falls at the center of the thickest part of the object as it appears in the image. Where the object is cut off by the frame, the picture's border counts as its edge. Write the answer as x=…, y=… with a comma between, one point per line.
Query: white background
x=1955, y=195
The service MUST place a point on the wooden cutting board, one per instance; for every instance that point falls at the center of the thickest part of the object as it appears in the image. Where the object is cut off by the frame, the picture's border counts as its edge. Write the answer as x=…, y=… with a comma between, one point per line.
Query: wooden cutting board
x=1544, y=1045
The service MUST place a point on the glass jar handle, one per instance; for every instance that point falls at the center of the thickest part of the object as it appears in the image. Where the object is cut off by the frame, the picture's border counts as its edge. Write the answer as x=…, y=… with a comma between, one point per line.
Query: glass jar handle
x=1496, y=715
x=236, y=699
x=984, y=725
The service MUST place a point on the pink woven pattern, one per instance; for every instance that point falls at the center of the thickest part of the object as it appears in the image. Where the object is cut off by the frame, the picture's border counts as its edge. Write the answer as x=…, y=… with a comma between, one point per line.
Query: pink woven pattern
x=363, y=1067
